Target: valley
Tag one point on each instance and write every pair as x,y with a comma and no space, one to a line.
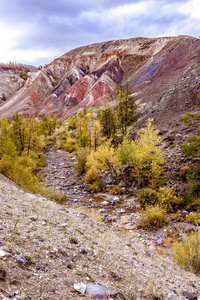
109,133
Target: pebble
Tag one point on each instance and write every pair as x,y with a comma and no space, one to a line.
20,259
33,218
80,287
159,242
2,253
103,211
171,297
99,291
82,250
191,296
105,203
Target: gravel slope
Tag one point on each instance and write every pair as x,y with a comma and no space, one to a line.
64,246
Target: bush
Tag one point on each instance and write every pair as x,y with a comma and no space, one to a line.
187,253
68,145
153,217
147,196
183,172
167,199
41,161
97,187
50,140
194,218
193,177
190,201
92,175
117,190
20,170
82,155
23,75
55,195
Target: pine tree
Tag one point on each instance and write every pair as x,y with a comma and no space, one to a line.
108,121
125,108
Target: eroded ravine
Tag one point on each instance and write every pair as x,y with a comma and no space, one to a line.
118,211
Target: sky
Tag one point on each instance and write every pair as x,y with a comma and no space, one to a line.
37,31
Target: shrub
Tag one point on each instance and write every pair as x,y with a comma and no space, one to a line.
168,200
60,144
55,195
23,75
50,140
190,201
63,136
147,196
187,253
82,155
193,177
41,161
194,218
117,190
68,146
153,217
183,172
92,175
97,187
20,170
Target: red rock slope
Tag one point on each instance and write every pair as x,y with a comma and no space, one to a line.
163,73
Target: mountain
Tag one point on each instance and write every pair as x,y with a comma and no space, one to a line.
163,74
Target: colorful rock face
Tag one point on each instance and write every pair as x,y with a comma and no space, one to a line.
162,73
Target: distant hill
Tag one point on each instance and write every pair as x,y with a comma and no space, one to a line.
12,79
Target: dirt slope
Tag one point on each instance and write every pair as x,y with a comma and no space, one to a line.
64,246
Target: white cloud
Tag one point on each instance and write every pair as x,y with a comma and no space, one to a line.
9,47
191,8
37,34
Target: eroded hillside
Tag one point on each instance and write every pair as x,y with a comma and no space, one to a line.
162,73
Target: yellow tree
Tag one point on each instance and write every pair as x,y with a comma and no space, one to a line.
105,158
147,157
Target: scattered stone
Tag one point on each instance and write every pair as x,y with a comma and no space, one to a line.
2,253
80,287
70,266
138,206
20,259
33,218
105,203
171,297
159,242
191,296
82,250
99,291
103,211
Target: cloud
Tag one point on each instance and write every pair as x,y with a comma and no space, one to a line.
37,31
